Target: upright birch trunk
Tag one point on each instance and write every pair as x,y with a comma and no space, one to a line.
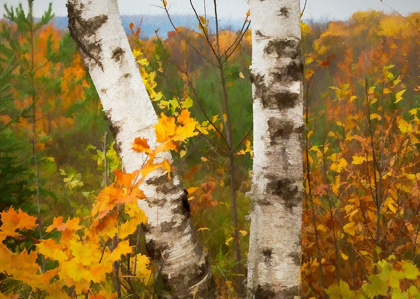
276,194
96,27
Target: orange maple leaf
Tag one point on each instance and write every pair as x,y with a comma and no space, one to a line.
13,221
140,145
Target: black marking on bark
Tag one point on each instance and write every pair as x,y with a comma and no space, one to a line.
290,73
163,185
285,189
145,227
82,31
279,129
202,270
267,292
127,75
258,33
167,226
284,12
267,253
162,179
186,203
264,292
114,127
281,100
263,202
256,79
117,53
181,208
151,250
299,130
289,293
259,83
295,256
284,48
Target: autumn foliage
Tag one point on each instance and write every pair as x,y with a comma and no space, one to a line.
362,171
362,200
87,248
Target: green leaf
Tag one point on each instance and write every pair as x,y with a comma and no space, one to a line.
342,290
376,287
398,294
413,291
187,103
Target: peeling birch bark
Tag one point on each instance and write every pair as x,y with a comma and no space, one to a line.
276,193
96,27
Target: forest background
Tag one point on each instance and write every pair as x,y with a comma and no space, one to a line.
58,159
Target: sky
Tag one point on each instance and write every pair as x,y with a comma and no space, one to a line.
316,9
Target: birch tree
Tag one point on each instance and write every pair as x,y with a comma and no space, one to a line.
96,27
276,193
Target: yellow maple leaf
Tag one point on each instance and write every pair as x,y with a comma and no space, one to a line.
136,53
187,126
52,250
141,265
338,167
107,226
165,128
404,126
136,213
357,160
122,248
137,217
143,61
127,228
85,253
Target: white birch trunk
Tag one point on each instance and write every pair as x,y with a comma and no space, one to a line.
276,193
96,27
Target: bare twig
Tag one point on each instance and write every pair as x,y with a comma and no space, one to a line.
186,39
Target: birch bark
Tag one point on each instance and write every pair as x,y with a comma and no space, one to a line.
276,193
96,27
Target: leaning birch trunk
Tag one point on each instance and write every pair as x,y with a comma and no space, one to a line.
276,193
96,27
